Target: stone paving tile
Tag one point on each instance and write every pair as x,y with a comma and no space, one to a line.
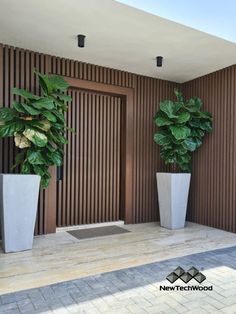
8,307
136,290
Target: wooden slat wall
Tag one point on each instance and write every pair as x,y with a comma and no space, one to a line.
90,189
213,184
147,94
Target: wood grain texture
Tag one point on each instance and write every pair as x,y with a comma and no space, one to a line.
96,141
144,160
212,194
125,166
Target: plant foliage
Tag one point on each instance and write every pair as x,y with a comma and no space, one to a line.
181,128
38,126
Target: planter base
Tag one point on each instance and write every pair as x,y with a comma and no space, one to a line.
18,206
173,191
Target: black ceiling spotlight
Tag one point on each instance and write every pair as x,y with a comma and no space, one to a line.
159,61
81,40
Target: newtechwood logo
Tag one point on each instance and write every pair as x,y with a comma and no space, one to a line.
186,276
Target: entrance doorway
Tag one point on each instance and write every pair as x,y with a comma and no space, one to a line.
97,181
90,187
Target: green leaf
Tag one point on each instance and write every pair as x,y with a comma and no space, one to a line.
60,104
37,138
206,126
162,138
26,168
183,159
7,114
19,158
178,95
169,108
18,107
183,117
43,82
62,139
193,104
195,123
51,148
51,83
49,116
189,144
44,103
180,150
175,141
45,180
59,126
198,102
24,93
180,132
58,83
205,115
43,125
185,167
168,155
39,170
198,142
56,158
59,115
62,97
197,133
35,157
10,128
30,110
21,141
161,119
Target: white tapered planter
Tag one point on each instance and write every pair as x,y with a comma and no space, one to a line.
18,205
173,189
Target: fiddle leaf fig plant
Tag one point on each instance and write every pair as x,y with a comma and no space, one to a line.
181,128
38,126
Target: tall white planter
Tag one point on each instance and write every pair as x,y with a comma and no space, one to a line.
173,189
18,205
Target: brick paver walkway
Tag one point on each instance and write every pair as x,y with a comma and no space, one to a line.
137,290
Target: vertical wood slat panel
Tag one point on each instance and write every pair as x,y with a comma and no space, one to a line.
212,194
98,144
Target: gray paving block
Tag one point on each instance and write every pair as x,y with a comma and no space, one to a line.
8,306
13,297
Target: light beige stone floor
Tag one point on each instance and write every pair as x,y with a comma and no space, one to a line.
60,257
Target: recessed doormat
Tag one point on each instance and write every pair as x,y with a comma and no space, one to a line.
96,232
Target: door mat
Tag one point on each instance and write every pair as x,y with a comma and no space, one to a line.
96,232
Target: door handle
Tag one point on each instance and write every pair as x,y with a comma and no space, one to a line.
59,173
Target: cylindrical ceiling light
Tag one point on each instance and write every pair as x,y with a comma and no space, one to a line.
159,61
81,40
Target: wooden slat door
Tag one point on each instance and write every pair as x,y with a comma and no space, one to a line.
90,189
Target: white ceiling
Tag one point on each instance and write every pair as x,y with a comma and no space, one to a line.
118,36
